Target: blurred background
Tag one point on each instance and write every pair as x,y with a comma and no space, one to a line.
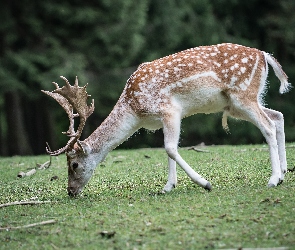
103,42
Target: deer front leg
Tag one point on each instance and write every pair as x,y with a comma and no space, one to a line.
171,129
172,176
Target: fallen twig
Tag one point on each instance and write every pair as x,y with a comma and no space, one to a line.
44,165
39,166
23,174
108,234
199,150
23,203
29,225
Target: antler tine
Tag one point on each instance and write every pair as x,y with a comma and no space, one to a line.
66,80
76,81
70,144
56,85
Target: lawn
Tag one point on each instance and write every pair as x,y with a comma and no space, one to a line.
122,208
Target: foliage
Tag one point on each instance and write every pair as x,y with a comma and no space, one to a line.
122,199
103,42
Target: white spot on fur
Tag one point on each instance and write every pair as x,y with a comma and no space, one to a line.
243,86
245,60
254,69
233,81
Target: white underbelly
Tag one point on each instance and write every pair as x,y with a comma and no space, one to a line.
203,101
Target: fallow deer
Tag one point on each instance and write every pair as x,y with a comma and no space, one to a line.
226,78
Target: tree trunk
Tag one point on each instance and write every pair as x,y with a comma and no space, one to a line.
3,146
43,124
17,139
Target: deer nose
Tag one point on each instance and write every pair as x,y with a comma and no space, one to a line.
71,191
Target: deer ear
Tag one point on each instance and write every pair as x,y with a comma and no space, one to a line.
84,147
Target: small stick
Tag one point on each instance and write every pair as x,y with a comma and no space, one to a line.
30,225
44,165
34,170
199,150
23,203
29,173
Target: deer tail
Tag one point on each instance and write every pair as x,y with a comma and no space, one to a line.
281,75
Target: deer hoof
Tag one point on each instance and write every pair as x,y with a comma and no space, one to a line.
271,185
208,186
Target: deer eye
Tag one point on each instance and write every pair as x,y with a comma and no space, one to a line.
75,165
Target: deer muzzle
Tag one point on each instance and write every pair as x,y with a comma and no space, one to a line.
73,191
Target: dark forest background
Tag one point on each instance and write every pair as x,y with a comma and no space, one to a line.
103,42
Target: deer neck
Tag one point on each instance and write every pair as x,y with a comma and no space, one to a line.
114,130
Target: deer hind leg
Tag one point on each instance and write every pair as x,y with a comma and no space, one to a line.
278,119
255,113
171,129
172,176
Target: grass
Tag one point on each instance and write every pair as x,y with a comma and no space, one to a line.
121,208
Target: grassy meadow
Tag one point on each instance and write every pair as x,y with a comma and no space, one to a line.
122,208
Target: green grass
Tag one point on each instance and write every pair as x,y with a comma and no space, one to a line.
122,198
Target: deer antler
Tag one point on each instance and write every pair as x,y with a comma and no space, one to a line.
72,98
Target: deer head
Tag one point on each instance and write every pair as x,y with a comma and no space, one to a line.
74,98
